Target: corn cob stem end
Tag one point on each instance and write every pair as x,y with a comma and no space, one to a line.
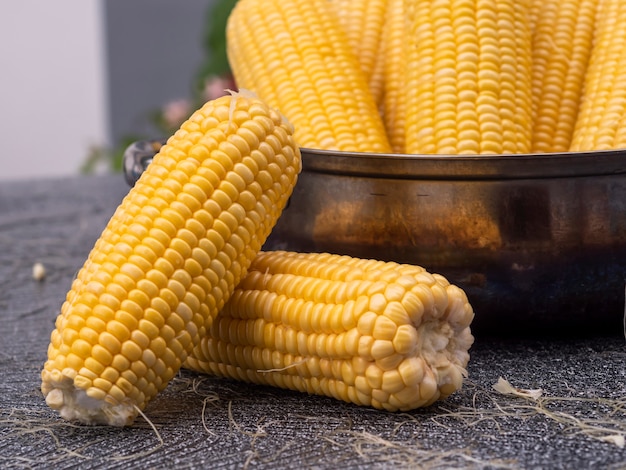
75,404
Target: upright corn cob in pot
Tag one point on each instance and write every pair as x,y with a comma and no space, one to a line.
368,332
364,21
468,74
168,260
562,36
295,55
601,123
393,101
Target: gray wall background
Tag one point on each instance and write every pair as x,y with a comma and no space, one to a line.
154,49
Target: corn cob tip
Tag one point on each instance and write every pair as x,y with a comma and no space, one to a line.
74,404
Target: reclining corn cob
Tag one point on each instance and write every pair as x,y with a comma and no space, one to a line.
169,259
601,123
561,46
368,332
295,55
468,77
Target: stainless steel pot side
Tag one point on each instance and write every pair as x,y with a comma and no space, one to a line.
538,242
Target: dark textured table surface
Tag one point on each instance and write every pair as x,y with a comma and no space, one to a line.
578,421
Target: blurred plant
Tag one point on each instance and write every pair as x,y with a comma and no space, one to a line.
214,43
212,79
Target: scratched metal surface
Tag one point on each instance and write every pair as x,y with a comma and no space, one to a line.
205,422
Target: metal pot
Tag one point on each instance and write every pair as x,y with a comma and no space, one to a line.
538,242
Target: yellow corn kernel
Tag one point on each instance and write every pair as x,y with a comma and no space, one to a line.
295,55
404,347
363,22
601,123
135,311
468,77
561,46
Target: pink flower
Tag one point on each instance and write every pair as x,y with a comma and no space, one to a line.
175,112
215,86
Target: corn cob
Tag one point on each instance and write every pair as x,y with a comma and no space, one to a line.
169,259
295,55
534,9
601,123
561,46
373,333
393,105
377,78
363,21
468,77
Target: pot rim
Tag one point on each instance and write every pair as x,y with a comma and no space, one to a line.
470,167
